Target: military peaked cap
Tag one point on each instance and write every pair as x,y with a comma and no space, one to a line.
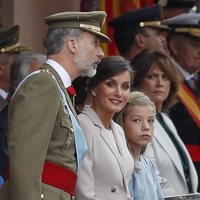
144,17
176,3
187,23
9,41
87,21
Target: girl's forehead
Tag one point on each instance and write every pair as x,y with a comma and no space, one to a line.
140,107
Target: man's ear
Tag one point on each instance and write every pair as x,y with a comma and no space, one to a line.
72,44
2,69
172,45
139,40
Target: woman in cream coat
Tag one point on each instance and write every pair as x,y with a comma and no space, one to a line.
162,149
107,167
156,75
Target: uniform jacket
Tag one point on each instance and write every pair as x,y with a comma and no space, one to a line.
104,174
38,128
168,161
3,140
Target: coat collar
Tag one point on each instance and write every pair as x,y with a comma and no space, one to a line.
116,133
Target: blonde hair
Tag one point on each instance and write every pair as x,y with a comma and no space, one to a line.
135,98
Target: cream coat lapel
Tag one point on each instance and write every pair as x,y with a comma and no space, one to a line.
162,138
95,119
118,143
193,174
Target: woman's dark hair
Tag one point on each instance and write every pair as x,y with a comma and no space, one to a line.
145,60
80,86
108,67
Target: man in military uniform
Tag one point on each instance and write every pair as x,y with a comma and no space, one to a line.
9,48
172,8
45,143
139,29
184,46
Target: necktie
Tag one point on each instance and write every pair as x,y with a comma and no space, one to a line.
72,93
192,83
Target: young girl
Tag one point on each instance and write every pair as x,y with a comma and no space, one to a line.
137,119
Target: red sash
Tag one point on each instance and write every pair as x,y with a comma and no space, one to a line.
57,176
191,103
194,151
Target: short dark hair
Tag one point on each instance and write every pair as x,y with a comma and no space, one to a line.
125,38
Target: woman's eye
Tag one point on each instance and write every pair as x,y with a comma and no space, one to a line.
110,84
126,86
166,77
151,76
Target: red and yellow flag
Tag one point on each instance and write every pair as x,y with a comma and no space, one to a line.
191,103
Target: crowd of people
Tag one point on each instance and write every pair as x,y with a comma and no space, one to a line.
76,124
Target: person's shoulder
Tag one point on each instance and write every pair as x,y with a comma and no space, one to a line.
43,76
86,112
169,122
86,117
38,82
90,116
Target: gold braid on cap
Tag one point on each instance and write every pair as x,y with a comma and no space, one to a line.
6,49
91,27
150,23
191,31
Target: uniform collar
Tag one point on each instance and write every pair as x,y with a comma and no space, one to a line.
184,73
61,72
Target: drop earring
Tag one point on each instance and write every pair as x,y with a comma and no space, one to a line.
93,93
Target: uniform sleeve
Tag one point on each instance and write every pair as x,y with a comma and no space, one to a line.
85,185
32,114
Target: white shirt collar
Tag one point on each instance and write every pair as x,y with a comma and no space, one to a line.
3,93
184,73
61,71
